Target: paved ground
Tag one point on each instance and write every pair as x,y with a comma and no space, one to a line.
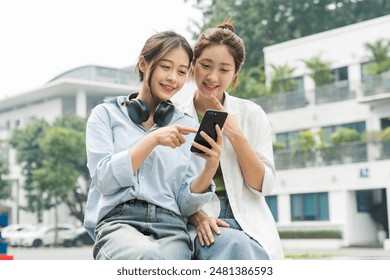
82,253
343,253
85,253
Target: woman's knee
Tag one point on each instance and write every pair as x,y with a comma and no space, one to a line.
231,244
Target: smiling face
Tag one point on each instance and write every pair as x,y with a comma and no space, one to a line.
213,72
168,75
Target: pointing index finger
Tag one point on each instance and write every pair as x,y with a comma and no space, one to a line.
217,103
186,129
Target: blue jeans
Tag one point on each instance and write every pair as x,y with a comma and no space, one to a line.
233,243
137,230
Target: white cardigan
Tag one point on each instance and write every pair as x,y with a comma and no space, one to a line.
248,205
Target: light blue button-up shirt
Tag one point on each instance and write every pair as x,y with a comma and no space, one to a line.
163,179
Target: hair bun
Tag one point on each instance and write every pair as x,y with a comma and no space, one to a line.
227,25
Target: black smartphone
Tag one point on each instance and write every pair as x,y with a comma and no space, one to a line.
210,119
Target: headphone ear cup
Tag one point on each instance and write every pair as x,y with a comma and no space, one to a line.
164,113
138,110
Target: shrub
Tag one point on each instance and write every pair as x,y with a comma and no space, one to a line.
277,146
321,234
320,70
344,135
385,135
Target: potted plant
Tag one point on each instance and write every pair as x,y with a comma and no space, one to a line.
305,147
379,59
321,73
328,151
378,63
319,70
282,80
277,146
344,136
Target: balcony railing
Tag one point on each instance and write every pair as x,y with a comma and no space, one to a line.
344,153
333,92
282,101
376,85
336,154
384,150
287,159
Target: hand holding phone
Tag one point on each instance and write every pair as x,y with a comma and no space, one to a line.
210,119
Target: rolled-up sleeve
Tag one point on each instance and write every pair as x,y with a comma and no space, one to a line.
264,149
189,202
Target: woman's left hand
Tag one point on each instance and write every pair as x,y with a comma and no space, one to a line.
231,126
206,227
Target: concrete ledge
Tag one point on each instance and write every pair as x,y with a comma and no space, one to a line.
312,243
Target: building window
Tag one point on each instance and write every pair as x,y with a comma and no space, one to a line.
272,202
364,201
299,85
385,123
340,74
287,139
328,130
309,207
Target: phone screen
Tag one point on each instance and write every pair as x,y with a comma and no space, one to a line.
210,119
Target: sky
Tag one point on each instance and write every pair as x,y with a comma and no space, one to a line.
40,39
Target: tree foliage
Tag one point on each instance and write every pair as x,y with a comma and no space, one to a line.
57,176
29,156
53,159
320,70
78,196
5,184
282,79
262,23
379,60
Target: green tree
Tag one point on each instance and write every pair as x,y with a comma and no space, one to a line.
35,146
77,197
5,184
30,157
251,83
63,149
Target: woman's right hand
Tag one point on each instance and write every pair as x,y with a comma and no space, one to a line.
172,136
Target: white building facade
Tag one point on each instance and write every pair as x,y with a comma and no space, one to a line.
332,191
